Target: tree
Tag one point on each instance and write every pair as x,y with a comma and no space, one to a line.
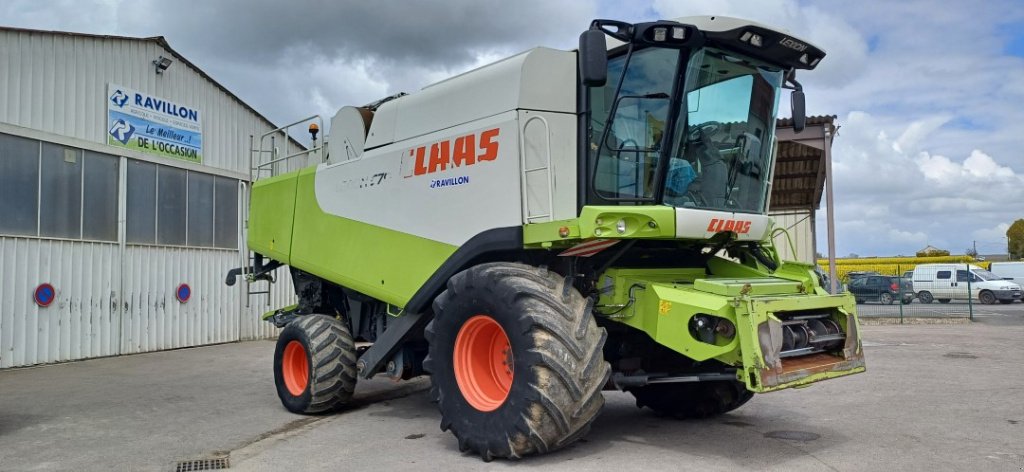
971,252
1015,237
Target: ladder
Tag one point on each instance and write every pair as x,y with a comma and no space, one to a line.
266,159
539,177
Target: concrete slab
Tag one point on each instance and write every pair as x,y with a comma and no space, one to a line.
147,411
944,397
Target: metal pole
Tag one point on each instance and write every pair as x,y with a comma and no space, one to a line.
899,284
970,296
831,210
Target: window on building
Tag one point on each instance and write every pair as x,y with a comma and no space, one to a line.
200,210
225,225
60,196
51,190
171,200
141,208
99,192
19,185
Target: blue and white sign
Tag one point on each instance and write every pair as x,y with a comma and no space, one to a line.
153,125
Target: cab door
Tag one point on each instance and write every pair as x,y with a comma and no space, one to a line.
962,284
875,287
945,284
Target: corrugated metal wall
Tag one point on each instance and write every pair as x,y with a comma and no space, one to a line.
58,83
93,316
155,319
115,298
83,320
801,229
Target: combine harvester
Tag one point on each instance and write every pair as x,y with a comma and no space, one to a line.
554,224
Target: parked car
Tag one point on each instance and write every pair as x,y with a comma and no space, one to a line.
884,289
945,282
856,274
1012,271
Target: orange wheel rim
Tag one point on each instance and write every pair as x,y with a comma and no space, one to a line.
483,363
295,368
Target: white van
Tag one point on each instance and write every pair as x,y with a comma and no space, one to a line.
1012,271
945,282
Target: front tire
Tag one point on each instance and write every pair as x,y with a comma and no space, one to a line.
516,361
692,400
925,297
315,364
987,297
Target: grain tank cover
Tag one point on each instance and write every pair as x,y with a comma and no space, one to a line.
348,133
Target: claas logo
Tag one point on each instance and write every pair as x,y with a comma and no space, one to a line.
720,225
459,152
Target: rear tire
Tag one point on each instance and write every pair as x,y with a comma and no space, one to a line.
885,298
692,400
925,297
552,393
315,364
987,297
945,300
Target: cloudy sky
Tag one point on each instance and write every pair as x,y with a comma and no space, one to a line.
929,94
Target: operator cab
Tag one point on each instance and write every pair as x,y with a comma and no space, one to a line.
682,113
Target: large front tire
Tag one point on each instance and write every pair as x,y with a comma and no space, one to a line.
515,360
315,364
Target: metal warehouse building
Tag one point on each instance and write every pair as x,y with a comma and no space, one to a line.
123,169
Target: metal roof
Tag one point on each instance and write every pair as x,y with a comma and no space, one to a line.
800,163
162,42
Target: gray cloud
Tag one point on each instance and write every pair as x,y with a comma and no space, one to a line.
410,33
293,59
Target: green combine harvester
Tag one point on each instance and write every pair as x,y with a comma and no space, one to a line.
549,226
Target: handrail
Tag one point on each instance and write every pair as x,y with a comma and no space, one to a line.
256,153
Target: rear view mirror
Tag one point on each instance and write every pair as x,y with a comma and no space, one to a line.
799,110
593,58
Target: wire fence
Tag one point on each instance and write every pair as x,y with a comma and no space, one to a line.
949,290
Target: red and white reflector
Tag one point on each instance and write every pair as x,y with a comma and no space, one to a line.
589,248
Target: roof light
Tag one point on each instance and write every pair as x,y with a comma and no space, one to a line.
805,59
660,33
746,36
678,32
815,61
756,40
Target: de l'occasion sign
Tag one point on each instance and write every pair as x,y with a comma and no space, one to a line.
153,125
